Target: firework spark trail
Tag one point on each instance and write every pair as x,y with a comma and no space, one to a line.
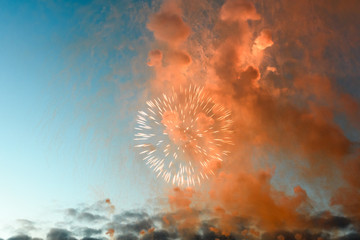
181,136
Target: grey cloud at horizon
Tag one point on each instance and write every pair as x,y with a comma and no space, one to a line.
130,224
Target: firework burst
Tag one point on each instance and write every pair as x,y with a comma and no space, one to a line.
184,136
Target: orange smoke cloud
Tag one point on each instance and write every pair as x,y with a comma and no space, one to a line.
168,25
111,233
181,199
184,217
264,40
171,59
281,121
155,58
238,10
204,122
253,197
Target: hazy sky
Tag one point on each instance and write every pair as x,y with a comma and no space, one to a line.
47,162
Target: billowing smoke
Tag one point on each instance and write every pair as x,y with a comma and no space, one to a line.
278,66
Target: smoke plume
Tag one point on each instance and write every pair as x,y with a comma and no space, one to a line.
276,65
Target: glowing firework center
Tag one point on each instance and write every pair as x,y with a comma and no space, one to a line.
183,137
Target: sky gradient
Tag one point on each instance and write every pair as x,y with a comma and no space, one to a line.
44,139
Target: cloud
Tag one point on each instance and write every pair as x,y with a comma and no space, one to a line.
327,221
286,71
95,213
264,40
131,223
207,224
238,10
59,234
350,236
290,144
168,25
155,58
161,235
128,236
86,231
21,237
25,226
85,222
89,217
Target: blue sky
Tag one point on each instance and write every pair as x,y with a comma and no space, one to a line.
62,140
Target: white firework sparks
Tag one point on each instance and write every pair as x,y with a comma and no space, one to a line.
182,137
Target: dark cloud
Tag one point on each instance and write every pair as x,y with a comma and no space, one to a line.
331,222
131,222
86,220
86,231
160,235
131,215
138,224
350,236
85,215
90,238
22,237
89,217
128,236
59,234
